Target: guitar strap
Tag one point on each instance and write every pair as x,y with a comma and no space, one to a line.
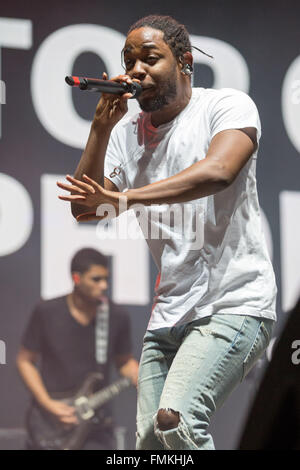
101,331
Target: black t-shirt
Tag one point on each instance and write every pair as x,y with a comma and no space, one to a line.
67,348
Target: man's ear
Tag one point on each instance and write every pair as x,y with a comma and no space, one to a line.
76,278
180,62
186,63
188,58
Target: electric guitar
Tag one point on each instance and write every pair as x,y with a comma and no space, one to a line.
46,432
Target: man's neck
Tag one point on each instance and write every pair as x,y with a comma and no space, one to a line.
84,312
170,111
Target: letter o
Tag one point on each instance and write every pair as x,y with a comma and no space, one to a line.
290,102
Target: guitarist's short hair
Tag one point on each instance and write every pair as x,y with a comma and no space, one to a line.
85,258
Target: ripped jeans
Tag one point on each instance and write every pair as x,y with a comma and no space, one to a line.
191,369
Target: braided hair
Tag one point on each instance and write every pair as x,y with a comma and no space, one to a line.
175,34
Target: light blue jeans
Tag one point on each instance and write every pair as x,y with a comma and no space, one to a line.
191,369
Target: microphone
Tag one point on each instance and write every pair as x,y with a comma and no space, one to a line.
104,86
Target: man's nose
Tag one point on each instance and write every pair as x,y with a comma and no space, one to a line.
138,70
104,284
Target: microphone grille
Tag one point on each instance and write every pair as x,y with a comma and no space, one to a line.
69,80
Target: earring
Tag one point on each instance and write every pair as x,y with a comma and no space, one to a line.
187,69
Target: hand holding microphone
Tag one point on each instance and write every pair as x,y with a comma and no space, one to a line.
85,190
112,105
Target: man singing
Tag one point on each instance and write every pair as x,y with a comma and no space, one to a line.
194,149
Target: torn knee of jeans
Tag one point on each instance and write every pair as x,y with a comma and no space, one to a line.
182,431
166,419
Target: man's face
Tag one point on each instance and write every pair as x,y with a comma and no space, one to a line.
148,58
93,283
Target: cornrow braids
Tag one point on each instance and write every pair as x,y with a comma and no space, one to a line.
175,34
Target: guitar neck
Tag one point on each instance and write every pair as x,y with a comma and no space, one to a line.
99,398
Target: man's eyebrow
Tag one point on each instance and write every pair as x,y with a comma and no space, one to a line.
148,45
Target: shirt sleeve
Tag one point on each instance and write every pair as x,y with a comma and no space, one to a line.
123,343
114,162
33,338
233,109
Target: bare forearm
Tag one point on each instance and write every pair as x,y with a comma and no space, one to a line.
228,153
130,370
92,159
32,378
199,180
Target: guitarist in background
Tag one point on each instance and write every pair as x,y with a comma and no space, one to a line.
63,343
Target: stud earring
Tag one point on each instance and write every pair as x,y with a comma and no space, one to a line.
187,69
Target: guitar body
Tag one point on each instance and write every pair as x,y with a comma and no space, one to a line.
48,433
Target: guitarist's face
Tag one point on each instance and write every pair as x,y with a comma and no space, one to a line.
93,284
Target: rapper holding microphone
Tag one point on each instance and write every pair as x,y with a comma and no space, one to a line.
194,150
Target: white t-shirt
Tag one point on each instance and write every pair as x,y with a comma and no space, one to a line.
215,260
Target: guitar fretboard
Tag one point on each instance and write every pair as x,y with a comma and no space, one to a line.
99,398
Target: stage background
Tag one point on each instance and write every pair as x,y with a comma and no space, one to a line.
44,125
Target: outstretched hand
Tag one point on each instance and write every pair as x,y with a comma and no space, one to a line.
89,194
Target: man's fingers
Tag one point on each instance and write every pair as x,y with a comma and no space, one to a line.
122,78
87,216
72,198
71,187
91,181
81,184
126,96
66,409
69,420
